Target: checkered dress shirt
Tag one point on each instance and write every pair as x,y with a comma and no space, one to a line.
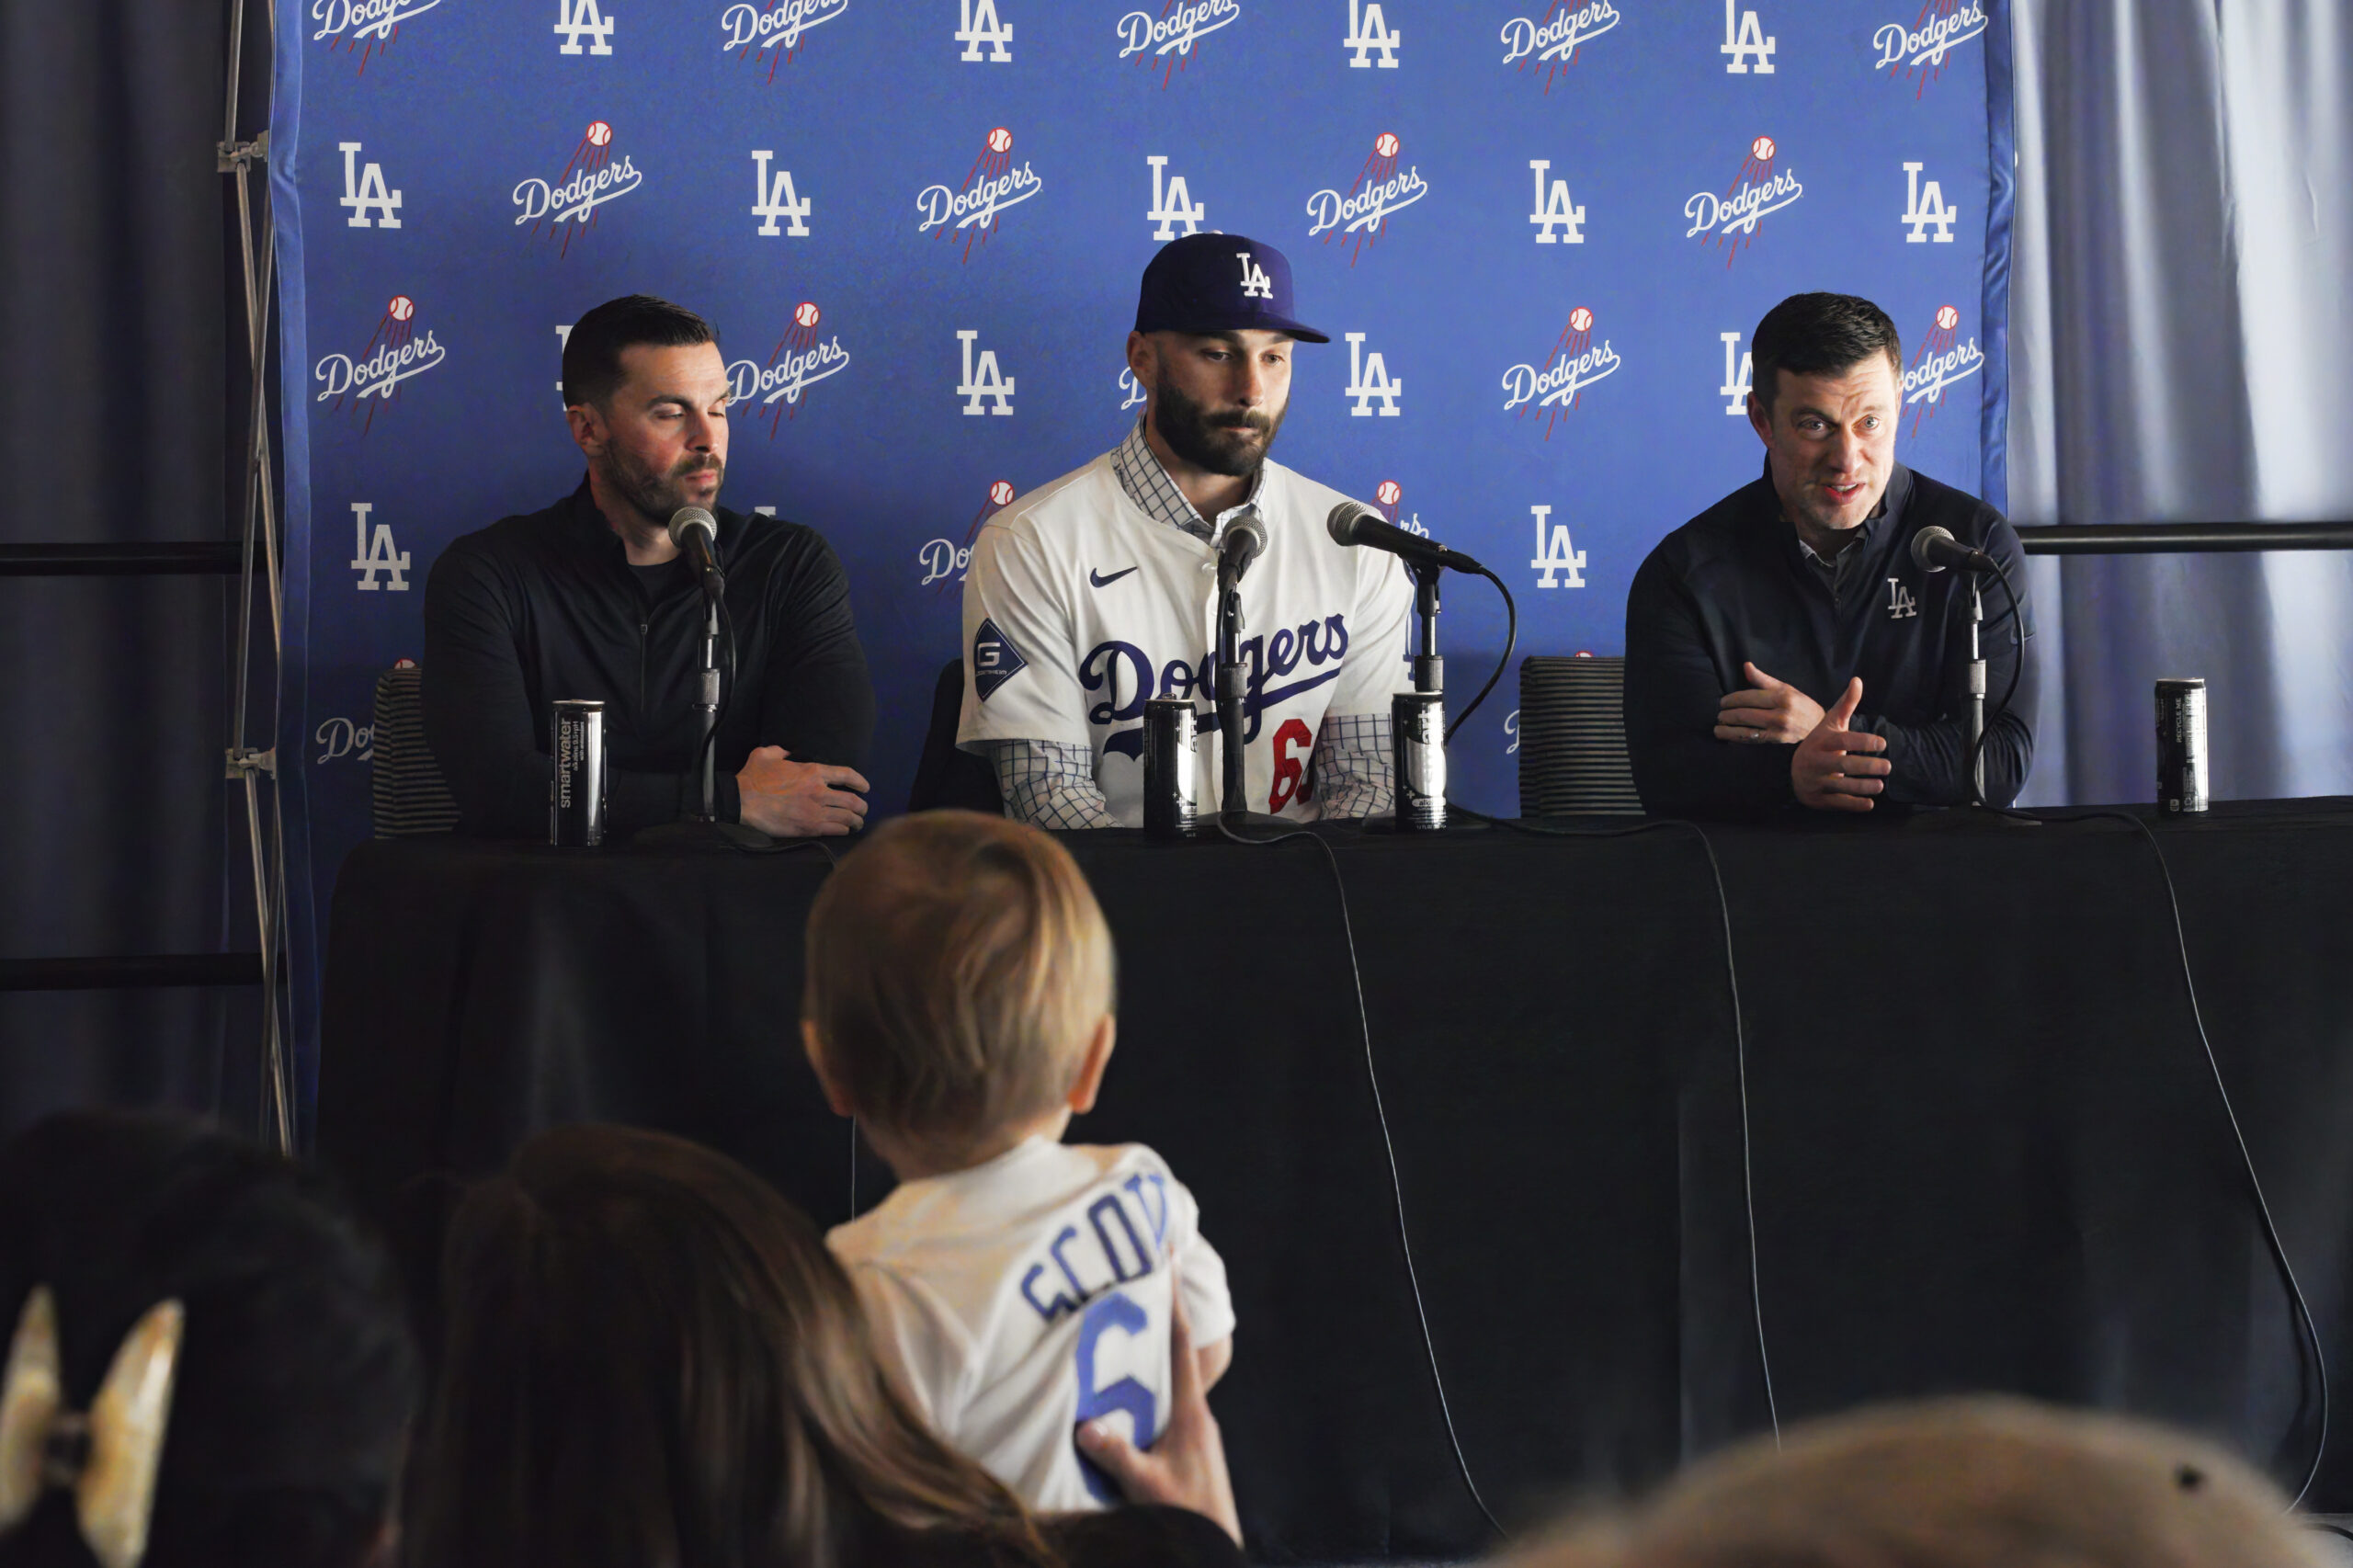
1051,783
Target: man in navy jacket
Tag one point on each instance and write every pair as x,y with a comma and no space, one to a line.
1783,647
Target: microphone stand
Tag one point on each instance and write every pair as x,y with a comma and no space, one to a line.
1429,670
702,828
1234,794
1976,690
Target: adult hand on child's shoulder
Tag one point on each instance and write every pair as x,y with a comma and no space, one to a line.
1187,1466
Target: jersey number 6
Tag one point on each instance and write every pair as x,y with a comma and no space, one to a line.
1113,1313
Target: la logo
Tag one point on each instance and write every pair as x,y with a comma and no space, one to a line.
1254,282
983,380
1555,553
777,198
1368,381
363,191
574,18
1901,605
1172,204
1370,33
1745,46
369,557
563,341
1737,375
1554,210
1924,208
980,27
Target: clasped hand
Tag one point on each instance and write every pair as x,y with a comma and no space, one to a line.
1834,768
800,800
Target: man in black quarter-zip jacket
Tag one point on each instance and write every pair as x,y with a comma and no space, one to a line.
1783,647
589,599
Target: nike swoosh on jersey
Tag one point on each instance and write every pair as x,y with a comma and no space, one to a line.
1100,581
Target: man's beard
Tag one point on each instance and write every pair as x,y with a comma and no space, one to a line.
658,497
1210,442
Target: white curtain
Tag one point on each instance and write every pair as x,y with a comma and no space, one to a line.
2181,297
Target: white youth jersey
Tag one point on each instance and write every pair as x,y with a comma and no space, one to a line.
1022,1297
1079,608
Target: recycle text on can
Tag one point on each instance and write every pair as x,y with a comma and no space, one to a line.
576,794
1417,727
2181,746
1171,730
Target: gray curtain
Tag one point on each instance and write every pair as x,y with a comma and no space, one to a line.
114,386
2179,352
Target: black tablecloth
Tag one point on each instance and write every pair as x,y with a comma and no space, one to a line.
1987,1149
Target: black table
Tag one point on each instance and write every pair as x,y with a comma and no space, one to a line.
1987,1149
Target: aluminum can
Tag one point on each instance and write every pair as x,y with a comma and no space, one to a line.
576,794
2181,746
1171,739
1417,729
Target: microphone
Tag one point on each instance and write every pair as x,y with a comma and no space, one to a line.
1245,539
1354,523
1934,549
695,533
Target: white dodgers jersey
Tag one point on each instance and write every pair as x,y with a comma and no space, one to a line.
1025,1296
1079,608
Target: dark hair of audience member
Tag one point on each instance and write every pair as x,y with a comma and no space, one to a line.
296,1376
653,1361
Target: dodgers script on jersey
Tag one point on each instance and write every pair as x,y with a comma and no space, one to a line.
1026,1296
1079,609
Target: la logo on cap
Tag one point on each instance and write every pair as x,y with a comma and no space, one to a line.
1254,282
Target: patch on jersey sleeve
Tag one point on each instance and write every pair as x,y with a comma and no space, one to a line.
994,659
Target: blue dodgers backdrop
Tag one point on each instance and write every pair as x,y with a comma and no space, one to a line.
1539,239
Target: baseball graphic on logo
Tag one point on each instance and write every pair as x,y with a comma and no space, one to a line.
805,314
1761,149
1580,320
1000,140
1386,144
1947,317
1001,493
599,133
1389,493
400,308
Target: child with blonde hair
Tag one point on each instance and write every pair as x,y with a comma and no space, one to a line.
960,1005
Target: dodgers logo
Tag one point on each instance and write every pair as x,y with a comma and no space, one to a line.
364,191
1554,209
1923,49
773,32
1940,361
1750,47
1759,190
1555,552
972,209
1318,645
576,19
1362,210
1370,381
1738,374
340,738
373,554
995,660
1131,390
1554,42
774,199
1169,36
363,25
944,561
589,179
1558,388
1369,34
392,354
982,29
1172,203
1390,497
1925,208
798,362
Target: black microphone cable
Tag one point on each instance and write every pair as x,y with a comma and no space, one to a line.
1511,641
1389,1152
1740,1049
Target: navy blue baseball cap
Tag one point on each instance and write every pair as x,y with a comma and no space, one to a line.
1219,283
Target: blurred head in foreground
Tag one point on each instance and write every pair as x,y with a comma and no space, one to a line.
1954,1484
653,1362
174,1297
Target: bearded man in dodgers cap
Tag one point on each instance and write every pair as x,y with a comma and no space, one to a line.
1097,592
